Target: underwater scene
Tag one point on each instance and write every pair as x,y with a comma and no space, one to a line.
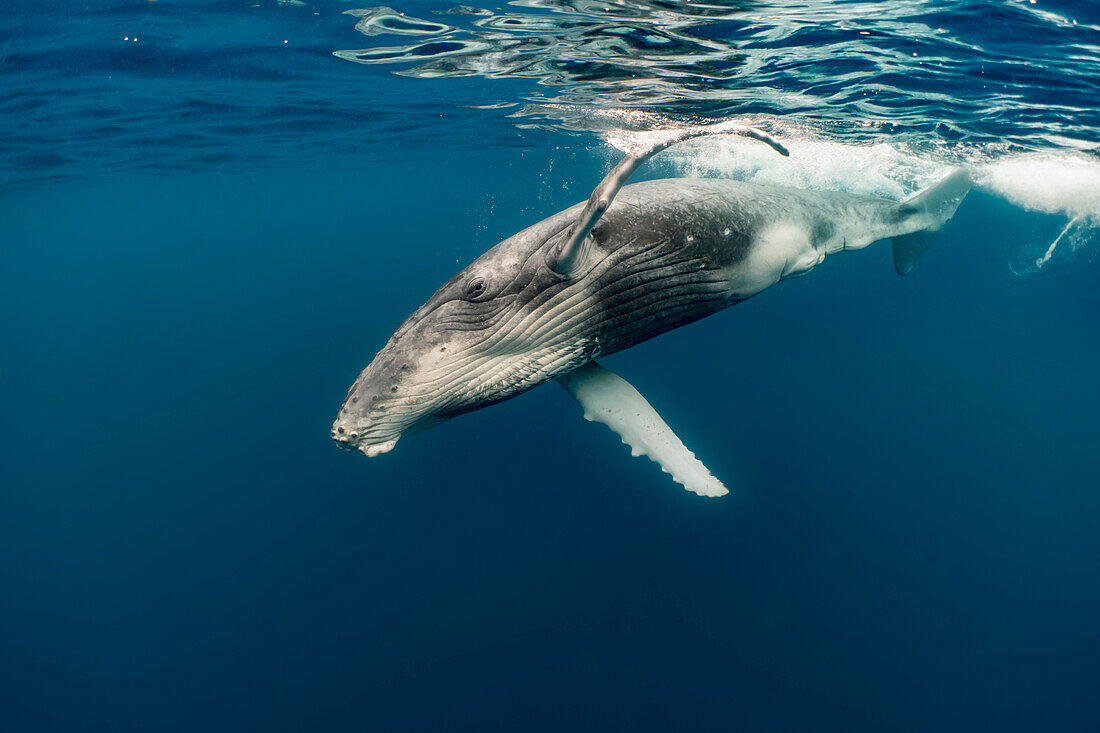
284,443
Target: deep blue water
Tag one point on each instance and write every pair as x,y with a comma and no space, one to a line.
206,233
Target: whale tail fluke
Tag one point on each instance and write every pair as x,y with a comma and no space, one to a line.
930,210
908,247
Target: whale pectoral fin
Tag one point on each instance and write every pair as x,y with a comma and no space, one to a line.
608,398
571,256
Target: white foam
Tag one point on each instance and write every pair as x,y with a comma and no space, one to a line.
1053,183
1065,182
873,170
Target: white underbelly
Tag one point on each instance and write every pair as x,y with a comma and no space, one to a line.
778,252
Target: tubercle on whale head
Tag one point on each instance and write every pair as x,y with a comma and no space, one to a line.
382,405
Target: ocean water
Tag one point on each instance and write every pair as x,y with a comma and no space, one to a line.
213,214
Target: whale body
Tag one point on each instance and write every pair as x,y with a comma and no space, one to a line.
631,263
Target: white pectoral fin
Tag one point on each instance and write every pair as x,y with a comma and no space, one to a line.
608,398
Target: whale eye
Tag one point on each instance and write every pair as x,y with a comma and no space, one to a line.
474,288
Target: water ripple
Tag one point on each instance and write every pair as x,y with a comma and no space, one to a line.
1006,73
124,84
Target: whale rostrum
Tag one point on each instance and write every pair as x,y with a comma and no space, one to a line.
630,263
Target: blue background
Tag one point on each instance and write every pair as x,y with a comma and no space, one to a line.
911,542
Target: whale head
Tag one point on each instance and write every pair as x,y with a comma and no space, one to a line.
488,334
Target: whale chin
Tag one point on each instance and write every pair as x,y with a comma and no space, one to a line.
375,449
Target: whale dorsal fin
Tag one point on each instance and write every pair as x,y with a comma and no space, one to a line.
570,257
608,398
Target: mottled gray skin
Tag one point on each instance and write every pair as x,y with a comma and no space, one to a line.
666,253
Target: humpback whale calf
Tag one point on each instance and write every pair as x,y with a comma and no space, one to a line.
629,264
